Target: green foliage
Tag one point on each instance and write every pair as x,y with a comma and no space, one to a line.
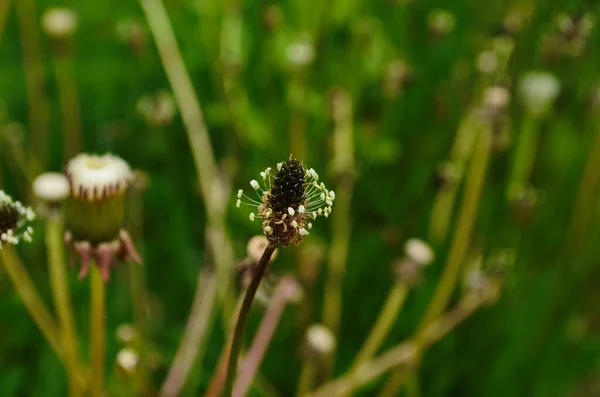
539,340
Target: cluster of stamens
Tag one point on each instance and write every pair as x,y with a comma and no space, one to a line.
288,201
13,217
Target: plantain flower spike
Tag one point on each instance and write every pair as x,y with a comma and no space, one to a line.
95,212
287,202
14,217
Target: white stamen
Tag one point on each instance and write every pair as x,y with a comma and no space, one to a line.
264,175
304,232
254,184
252,216
301,209
332,194
310,225
240,193
279,165
291,211
268,229
294,224
238,203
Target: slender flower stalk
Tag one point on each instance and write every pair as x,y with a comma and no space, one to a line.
407,352
39,114
462,236
97,330
212,188
4,10
194,335
343,168
418,255
62,301
60,24
238,332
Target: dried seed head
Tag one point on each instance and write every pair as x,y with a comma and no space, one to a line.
51,187
95,212
13,218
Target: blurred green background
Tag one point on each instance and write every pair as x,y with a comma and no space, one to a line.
266,73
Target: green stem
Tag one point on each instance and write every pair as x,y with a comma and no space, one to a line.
238,332
307,376
462,236
524,156
383,325
39,115
97,329
464,228
407,352
31,299
462,149
4,9
69,105
62,303
343,169
212,189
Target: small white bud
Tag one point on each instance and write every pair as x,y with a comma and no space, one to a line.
51,187
419,251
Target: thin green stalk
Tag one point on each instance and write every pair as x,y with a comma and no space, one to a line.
39,115
97,330
238,333
69,105
190,347
212,189
462,149
307,378
587,195
343,168
383,325
31,299
62,303
525,154
4,10
464,228
462,237
406,352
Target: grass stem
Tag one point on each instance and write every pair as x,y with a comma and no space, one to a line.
97,330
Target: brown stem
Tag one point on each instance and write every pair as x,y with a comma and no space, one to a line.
238,333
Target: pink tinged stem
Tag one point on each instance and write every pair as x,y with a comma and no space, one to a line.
286,290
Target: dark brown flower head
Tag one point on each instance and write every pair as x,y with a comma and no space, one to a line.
288,202
13,216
